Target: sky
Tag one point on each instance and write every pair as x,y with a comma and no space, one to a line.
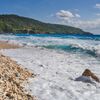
84,14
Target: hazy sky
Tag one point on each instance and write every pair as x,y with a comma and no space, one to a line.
84,14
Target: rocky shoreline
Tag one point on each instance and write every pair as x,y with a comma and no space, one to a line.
12,75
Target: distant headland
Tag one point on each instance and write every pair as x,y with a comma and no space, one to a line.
10,23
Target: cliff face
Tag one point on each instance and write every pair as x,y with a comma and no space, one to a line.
19,24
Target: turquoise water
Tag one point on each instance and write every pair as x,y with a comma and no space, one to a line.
84,44
88,44
92,37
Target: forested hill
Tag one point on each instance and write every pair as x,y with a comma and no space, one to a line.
18,24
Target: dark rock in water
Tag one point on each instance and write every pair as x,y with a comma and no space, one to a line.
41,65
88,73
88,76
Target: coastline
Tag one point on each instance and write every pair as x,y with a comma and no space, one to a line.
56,73
12,76
7,45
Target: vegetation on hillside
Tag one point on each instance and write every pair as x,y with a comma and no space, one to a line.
18,24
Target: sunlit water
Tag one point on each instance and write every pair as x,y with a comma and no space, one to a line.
84,44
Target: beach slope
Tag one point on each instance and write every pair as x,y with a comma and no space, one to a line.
12,75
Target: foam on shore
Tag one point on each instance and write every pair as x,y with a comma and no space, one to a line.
56,73
57,69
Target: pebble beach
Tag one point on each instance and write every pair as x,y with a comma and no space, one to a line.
12,75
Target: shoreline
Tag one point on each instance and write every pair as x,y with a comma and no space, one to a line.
56,73
12,76
7,45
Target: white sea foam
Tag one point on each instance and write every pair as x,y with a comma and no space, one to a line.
89,45
56,73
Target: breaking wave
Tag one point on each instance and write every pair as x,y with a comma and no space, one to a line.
70,43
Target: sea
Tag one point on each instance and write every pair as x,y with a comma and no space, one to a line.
88,45
58,60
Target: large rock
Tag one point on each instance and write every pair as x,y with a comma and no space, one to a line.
88,73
